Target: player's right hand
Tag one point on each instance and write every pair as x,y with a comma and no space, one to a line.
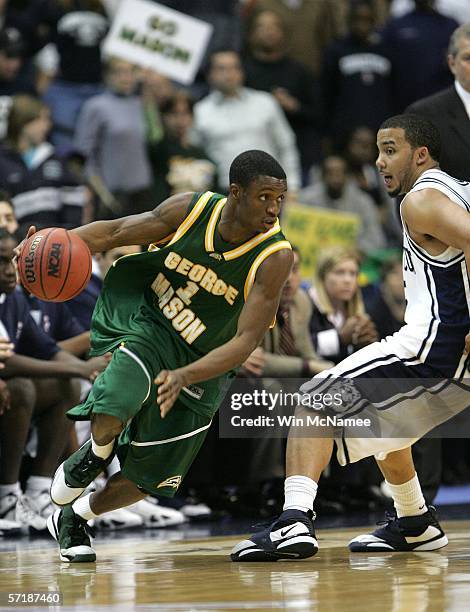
19,248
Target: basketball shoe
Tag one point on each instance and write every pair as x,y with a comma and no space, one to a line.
291,536
404,534
74,475
154,515
73,534
18,508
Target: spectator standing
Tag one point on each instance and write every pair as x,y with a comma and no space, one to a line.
267,67
13,80
337,191
233,118
111,135
311,24
356,76
177,164
44,192
79,27
417,44
449,109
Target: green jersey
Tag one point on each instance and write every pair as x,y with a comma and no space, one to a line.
187,295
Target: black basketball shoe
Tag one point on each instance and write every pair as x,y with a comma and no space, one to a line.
291,536
405,534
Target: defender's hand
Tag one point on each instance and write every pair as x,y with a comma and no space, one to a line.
170,383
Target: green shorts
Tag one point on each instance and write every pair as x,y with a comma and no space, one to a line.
154,453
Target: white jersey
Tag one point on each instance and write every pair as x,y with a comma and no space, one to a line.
437,289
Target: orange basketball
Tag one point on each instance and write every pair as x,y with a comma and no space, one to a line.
54,265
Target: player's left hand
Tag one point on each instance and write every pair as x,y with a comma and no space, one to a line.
170,383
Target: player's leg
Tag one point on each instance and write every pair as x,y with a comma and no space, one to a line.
415,526
69,525
116,397
292,535
53,398
155,455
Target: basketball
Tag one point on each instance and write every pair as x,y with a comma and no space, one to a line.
54,265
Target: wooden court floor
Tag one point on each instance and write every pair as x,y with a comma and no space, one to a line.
144,573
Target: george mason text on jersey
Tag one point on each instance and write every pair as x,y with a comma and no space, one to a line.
174,303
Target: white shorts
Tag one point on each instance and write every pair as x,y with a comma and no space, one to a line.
402,395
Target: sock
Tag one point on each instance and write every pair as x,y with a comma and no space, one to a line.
102,451
5,489
37,484
299,493
82,508
408,498
113,467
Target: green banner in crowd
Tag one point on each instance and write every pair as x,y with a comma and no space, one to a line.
313,229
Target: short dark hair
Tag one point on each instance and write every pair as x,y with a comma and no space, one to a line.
419,132
252,164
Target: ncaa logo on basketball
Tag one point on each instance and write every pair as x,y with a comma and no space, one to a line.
173,481
53,262
29,272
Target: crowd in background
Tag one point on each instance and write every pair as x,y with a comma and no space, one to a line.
83,137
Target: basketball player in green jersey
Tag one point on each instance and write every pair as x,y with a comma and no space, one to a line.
179,319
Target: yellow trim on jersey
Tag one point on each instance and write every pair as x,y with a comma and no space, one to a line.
250,278
193,215
210,229
154,246
273,248
247,246
243,248
124,257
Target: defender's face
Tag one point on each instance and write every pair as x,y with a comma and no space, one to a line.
396,161
7,266
261,202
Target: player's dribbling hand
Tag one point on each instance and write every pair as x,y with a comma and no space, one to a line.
170,383
19,248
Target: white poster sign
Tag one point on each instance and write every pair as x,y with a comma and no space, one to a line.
157,37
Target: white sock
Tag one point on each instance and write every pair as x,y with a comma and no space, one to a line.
82,507
408,498
37,484
5,489
299,493
102,451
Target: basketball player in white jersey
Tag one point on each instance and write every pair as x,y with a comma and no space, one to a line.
431,345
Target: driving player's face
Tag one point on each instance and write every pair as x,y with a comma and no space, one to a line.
261,202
